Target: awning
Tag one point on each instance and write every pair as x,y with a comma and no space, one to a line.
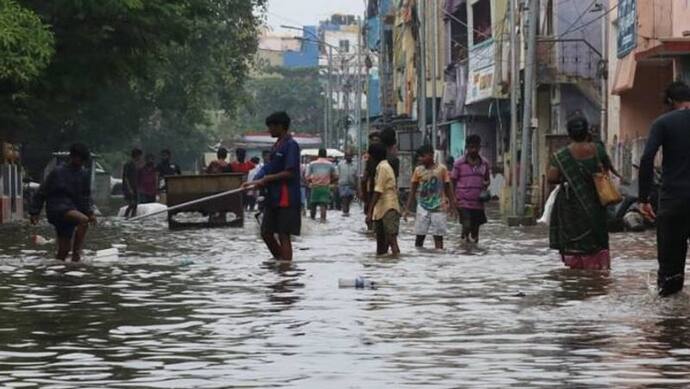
669,47
625,75
331,153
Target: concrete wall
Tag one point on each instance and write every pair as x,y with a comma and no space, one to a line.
680,15
641,105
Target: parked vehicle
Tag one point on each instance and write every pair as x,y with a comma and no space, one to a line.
626,215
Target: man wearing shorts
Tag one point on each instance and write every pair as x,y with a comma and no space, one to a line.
347,181
384,209
280,176
431,187
130,182
321,175
66,193
471,175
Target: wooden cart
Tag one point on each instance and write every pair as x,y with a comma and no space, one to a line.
182,189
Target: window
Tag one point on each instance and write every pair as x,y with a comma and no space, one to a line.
481,17
458,34
344,46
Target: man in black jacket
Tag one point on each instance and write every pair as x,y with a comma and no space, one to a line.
671,132
66,194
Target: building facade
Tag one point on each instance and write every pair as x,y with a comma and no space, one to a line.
649,47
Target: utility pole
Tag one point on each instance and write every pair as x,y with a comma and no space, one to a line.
347,94
421,94
338,103
514,92
434,75
383,70
530,72
329,92
358,87
604,69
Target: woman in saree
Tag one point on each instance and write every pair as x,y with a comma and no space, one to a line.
578,220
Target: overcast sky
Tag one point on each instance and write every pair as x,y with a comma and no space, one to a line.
309,12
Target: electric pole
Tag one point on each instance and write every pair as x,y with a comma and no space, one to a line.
434,75
514,93
421,94
329,92
358,88
604,70
530,72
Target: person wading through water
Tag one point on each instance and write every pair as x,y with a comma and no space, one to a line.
384,208
671,132
281,178
66,193
578,220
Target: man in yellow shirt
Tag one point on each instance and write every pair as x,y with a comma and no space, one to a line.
384,208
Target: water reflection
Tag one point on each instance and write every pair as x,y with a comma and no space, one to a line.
205,308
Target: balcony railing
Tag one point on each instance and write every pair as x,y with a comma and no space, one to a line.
563,60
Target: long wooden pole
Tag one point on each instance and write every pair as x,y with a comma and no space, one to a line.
193,202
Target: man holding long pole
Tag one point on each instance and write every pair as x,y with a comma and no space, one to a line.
281,178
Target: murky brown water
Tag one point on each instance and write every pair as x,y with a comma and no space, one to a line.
204,309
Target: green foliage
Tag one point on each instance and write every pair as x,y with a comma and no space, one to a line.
26,44
134,73
297,91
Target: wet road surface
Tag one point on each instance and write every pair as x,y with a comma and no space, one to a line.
208,309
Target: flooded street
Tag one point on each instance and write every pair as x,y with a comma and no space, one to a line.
207,309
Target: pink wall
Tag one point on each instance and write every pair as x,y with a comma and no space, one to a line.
642,104
681,17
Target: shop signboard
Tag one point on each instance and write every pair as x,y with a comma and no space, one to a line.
627,27
481,72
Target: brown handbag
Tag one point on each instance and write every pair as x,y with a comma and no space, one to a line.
606,189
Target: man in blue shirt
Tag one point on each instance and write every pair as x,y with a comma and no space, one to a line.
66,194
280,176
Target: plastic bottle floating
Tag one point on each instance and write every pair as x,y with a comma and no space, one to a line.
357,283
41,241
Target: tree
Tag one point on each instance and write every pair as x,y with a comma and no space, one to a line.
297,91
26,44
134,72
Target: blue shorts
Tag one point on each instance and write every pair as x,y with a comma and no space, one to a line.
346,191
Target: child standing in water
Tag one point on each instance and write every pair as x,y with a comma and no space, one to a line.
384,208
471,175
430,182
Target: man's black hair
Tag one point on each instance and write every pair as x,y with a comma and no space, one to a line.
377,152
374,134
80,150
280,119
474,140
241,154
578,128
425,149
323,153
166,151
677,92
255,160
136,152
222,153
388,137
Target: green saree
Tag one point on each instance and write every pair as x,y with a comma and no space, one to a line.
578,222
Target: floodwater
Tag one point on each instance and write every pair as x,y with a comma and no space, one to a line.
207,309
